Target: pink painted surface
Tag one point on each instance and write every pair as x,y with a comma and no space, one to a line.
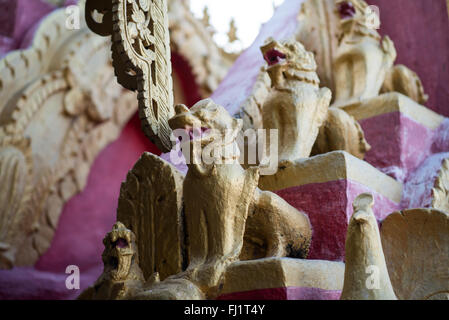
329,207
19,18
419,185
32,284
289,293
441,139
239,82
85,220
419,29
398,143
87,217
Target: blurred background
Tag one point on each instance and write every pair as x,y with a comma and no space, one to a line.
248,16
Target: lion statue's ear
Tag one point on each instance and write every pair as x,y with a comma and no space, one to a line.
181,108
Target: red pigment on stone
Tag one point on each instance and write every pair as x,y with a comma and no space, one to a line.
346,10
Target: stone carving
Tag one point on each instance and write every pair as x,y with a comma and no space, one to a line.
363,58
141,55
416,247
151,188
194,39
403,80
181,239
299,109
122,277
61,96
319,29
224,217
188,36
296,106
60,106
413,244
341,131
15,190
364,252
323,24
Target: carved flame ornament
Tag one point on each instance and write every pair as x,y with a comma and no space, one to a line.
141,55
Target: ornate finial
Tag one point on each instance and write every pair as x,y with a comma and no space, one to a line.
364,253
232,33
141,57
206,17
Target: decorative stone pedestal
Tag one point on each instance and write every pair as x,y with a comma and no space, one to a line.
324,187
283,279
400,131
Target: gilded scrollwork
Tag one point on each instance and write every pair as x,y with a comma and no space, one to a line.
141,57
60,106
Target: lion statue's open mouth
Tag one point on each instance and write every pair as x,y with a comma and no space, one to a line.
274,56
205,122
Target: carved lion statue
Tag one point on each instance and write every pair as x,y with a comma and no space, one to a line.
122,277
299,108
190,229
363,58
233,212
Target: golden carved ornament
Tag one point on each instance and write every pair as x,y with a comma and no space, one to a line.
141,55
287,97
122,277
403,80
416,247
60,106
406,260
364,253
323,32
191,229
362,58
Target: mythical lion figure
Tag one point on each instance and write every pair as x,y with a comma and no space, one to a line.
216,213
299,108
122,276
363,58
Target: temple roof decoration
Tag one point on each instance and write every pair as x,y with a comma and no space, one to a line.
61,105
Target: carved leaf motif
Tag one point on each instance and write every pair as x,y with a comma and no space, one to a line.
150,205
15,176
416,247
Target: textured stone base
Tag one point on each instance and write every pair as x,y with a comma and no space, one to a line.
324,187
283,279
400,131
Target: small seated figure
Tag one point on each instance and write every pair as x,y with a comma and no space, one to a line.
121,277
